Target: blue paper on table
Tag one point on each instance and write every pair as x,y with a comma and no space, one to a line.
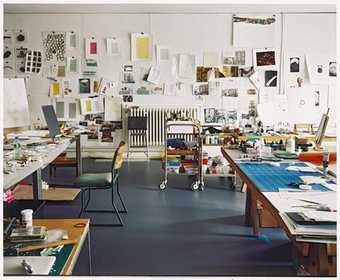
269,178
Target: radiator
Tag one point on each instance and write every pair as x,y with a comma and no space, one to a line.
156,122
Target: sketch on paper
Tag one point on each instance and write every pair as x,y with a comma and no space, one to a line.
270,78
294,63
54,46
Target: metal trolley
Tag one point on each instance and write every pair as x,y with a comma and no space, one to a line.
195,151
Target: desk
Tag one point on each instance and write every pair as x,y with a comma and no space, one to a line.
77,233
317,252
35,168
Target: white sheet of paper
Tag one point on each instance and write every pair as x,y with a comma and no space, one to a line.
211,58
252,34
187,65
71,40
154,75
162,54
112,47
113,109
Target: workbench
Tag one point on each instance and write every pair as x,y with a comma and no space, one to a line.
315,255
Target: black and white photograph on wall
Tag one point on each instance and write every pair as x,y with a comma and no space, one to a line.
319,69
264,58
332,69
251,91
316,98
246,71
200,89
209,115
127,98
270,78
294,64
229,92
231,116
84,86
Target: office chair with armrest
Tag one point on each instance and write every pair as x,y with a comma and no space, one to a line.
103,181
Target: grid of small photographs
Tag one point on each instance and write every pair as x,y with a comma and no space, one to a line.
33,62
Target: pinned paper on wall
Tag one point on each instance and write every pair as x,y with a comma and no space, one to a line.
154,75
141,46
321,68
162,54
255,79
112,46
71,40
294,64
72,64
113,109
211,58
55,89
90,48
254,30
187,65
93,105
264,58
61,71
84,86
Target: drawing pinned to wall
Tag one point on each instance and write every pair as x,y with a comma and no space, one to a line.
157,89
186,66
113,109
91,48
162,54
270,78
95,86
211,58
55,89
154,75
246,71
72,65
125,90
54,46
143,90
20,59
199,89
90,67
113,47
141,46
9,68
229,92
8,37
71,40
105,87
234,58
61,71
93,105
254,30
319,69
33,62
203,74
332,69
299,81
84,86
294,64
264,58
251,91
231,117
128,74
67,90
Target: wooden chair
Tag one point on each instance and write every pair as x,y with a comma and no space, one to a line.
62,161
103,181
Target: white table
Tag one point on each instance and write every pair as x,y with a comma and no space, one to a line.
34,168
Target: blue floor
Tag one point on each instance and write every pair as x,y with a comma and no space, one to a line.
176,231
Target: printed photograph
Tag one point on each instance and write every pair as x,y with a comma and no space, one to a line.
230,92
294,64
332,69
270,78
265,58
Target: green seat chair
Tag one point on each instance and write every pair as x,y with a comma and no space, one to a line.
89,182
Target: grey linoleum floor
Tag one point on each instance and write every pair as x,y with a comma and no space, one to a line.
173,232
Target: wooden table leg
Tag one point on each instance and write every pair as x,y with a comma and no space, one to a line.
318,260
248,221
255,216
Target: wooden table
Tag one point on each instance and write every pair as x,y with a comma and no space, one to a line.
35,168
77,229
317,253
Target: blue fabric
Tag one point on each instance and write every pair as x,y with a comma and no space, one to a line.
269,178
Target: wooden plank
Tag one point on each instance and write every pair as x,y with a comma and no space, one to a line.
77,229
25,192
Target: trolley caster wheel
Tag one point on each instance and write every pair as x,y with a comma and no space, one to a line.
162,186
201,185
195,186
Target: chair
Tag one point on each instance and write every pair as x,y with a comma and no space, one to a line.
138,134
62,161
103,181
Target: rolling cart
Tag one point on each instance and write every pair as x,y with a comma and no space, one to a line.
179,165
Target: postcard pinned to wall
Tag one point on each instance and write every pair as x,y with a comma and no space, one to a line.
186,66
162,54
264,58
141,46
93,105
254,30
91,48
113,46
72,65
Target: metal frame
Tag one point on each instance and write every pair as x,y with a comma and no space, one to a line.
140,133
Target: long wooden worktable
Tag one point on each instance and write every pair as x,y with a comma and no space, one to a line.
314,256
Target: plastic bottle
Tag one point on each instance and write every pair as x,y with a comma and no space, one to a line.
290,145
17,148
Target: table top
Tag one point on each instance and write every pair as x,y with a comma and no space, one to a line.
77,229
45,157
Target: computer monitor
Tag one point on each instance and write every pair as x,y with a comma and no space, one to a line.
322,129
51,120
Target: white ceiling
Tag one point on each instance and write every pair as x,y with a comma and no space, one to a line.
167,8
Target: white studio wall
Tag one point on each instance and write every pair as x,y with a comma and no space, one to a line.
193,34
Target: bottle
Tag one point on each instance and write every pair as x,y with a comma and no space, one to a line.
17,148
290,145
